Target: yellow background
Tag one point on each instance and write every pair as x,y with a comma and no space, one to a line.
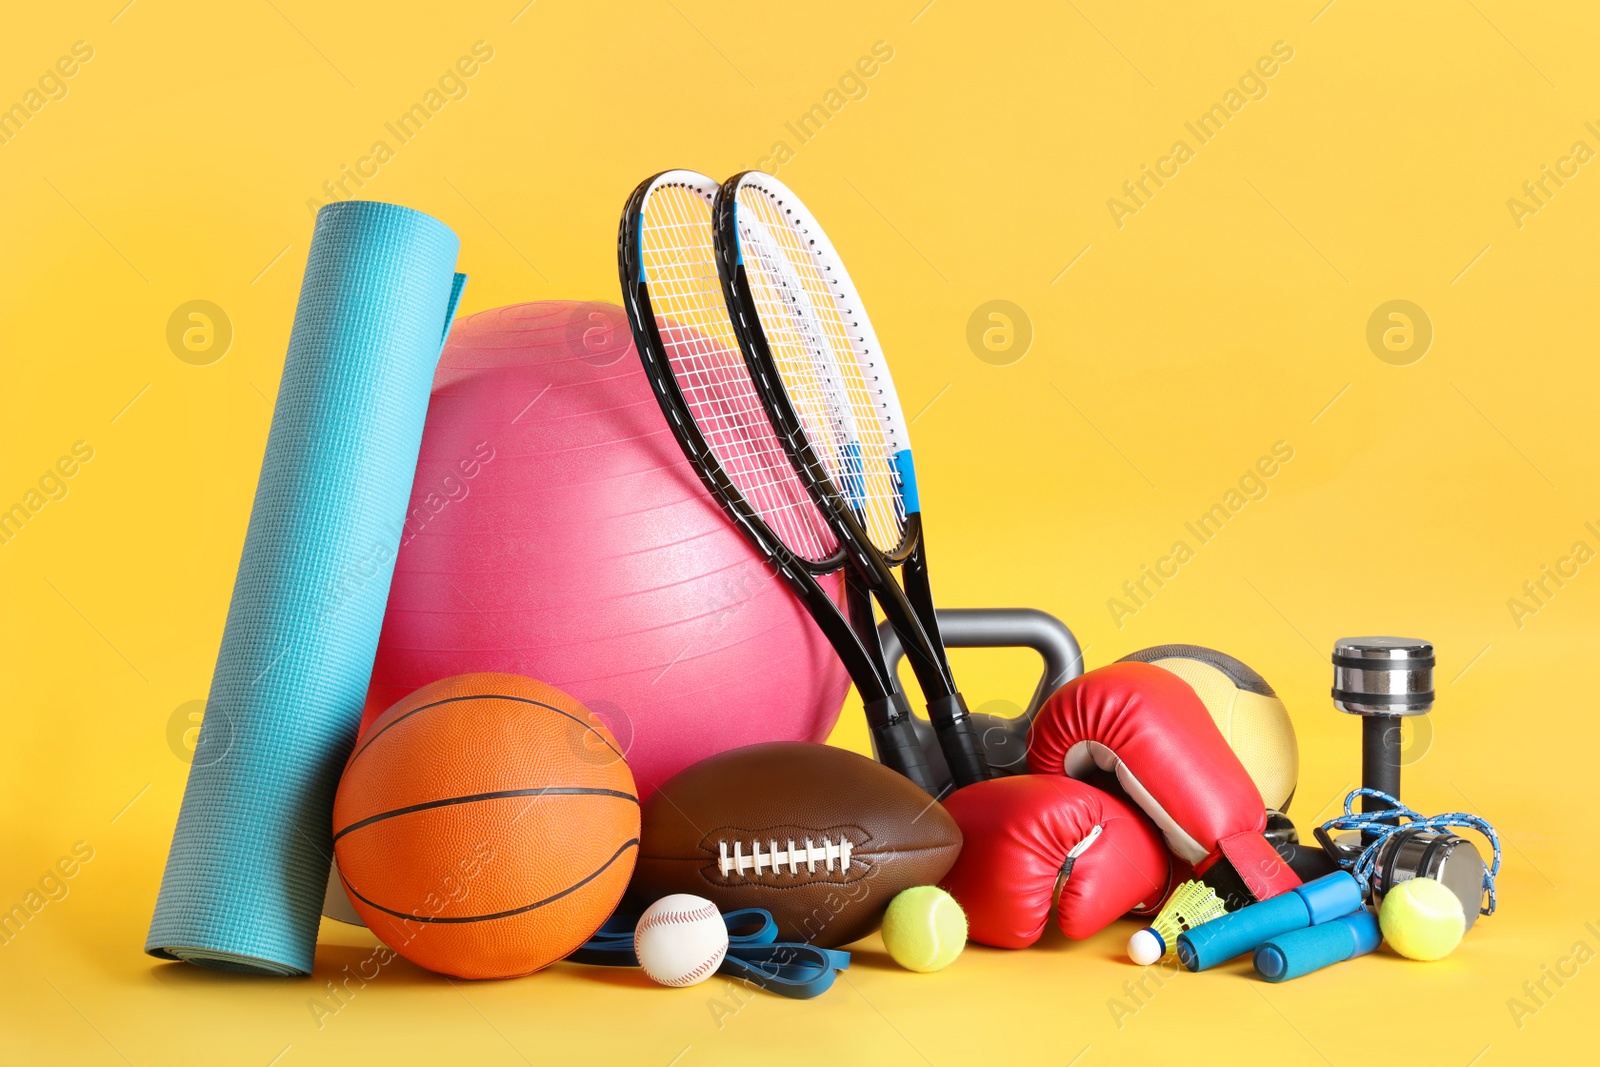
1230,312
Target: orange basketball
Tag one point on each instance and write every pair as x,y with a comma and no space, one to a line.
486,825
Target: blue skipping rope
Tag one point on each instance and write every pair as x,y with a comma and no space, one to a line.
1385,823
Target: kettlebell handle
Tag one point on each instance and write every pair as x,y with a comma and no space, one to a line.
1004,738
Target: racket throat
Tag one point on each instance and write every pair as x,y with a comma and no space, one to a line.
895,741
945,712
888,712
959,740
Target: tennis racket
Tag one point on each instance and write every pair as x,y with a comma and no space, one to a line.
681,329
821,375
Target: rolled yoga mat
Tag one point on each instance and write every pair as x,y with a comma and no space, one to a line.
249,863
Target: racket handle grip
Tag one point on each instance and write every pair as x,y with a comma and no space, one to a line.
959,740
894,737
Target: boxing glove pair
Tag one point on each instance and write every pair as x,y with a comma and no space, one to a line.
1037,843
1047,840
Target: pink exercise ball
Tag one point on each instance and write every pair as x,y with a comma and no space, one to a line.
556,531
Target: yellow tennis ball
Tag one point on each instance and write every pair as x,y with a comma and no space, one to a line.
1422,919
924,929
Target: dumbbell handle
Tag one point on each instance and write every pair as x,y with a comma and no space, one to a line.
1380,758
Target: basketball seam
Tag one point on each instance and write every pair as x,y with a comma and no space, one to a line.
597,872
482,696
499,794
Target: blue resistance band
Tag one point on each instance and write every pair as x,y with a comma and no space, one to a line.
754,955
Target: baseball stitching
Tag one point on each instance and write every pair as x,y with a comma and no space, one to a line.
678,918
695,975
663,918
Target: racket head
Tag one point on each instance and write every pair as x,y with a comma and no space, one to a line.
675,304
804,326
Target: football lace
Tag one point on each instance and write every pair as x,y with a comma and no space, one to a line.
775,858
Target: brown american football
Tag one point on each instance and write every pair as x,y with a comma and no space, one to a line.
820,837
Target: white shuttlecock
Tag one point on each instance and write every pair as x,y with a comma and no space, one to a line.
1192,903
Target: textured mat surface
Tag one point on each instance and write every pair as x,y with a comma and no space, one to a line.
244,881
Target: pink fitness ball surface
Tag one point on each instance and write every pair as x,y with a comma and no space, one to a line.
556,531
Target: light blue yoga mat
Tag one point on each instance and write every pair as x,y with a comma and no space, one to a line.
249,863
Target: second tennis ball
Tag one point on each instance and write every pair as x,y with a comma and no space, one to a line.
924,929
1422,919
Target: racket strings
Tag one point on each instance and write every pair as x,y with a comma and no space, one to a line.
816,351
680,275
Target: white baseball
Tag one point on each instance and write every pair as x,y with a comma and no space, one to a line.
680,940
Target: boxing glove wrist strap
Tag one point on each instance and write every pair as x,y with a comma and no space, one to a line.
1264,873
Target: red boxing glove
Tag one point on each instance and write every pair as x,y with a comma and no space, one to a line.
1146,725
1037,840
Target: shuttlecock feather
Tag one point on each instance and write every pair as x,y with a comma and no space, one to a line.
1191,904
